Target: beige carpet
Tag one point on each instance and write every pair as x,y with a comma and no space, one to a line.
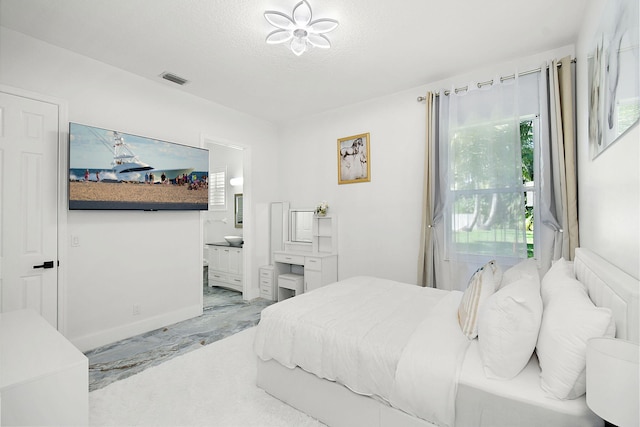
212,386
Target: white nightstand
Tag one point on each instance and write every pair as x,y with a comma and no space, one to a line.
45,379
612,372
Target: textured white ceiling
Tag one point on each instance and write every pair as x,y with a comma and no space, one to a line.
380,47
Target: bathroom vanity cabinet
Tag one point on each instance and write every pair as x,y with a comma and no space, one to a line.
225,266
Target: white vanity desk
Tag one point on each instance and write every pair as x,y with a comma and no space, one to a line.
318,269
305,261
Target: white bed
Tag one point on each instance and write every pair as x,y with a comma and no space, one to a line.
301,374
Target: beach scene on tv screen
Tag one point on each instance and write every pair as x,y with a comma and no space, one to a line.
114,170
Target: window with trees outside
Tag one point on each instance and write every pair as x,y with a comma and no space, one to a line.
492,189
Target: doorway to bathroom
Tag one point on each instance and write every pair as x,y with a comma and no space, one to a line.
223,231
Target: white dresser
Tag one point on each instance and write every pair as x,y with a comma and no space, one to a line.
44,379
225,266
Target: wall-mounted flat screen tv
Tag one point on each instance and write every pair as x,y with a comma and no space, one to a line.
114,170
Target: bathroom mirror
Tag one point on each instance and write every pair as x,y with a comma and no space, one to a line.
237,215
300,224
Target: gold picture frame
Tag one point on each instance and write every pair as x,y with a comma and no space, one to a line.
354,159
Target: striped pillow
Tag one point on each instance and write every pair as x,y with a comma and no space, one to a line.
482,284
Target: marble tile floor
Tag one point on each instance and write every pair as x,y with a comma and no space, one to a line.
224,313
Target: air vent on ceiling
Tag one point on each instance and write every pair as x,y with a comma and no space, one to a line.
173,78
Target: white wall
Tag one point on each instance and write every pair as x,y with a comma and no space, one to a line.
609,185
125,258
376,220
379,221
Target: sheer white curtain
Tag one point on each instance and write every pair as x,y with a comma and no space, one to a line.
500,159
480,193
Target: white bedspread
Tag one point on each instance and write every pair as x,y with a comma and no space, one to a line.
428,370
375,336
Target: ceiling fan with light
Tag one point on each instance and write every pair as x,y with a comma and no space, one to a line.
299,30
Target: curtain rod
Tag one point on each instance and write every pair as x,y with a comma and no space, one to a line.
490,82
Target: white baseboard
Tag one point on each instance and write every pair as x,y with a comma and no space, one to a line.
98,339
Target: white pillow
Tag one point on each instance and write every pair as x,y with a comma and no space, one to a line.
508,326
481,285
569,320
559,276
524,268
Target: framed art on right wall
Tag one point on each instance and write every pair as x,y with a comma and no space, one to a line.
354,159
614,67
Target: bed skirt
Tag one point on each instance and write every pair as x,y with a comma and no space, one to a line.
329,402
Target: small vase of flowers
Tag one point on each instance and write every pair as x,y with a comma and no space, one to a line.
321,208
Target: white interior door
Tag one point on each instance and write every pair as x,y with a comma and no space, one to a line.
28,205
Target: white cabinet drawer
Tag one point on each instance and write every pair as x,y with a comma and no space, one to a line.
289,259
313,263
265,286
266,290
214,276
235,280
266,274
266,282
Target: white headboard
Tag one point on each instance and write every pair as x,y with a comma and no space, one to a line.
610,287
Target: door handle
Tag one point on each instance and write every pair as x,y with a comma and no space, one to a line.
47,264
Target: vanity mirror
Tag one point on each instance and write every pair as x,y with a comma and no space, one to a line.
238,210
300,223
